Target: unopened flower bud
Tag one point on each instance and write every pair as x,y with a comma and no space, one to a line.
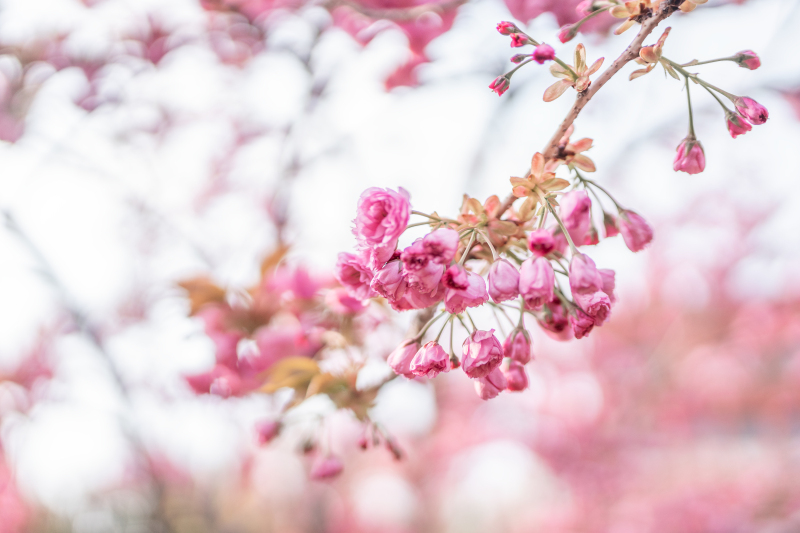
519,58
583,275
756,113
582,324
503,281
748,59
491,385
500,85
737,124
610,225
690,157
517,346
635,230
541,242
430,360
507,28
482,353
536,278
542,53
567,32
516,378
519,39
457,300
400,359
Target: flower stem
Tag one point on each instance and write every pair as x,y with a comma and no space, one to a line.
427,326
572,247
449,320
696,78
468,248
489,242
691,115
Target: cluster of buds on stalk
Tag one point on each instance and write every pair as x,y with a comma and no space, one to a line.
524,262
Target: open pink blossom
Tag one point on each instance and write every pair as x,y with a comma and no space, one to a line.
536,278
748,59
582,324
430,360
415,257
481,353
596,304
542,53
390,281
635,230
425,280
441,245
354,275
737,124
414,299
503,281
455,277
517,346
381,217
576,211
541,242
491,385
689,157
400,359
583,275
326,467
756,113
516,378
457,300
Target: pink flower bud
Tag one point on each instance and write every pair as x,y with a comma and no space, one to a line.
555,321
517,346
516,378
541,242
610,225
635,230
536,278
519,58
381,216
491,385
567,33
690,157
389,281
430,360
609,282
457,300
455,277
584,8
542,53
748,59
500,85
352,272
737,125
503,281
326,467
592,237
576,210
596,304
441,245
583,275
507,28
756,113
518,39
425,280
582,324
400,359
266,430
481,353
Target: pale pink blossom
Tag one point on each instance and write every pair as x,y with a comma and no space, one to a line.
516,378
635,230
481,353
381,217
491,385
536,278
441,245
354,275
400,359
503,281
517,346
541,242
567,32
576,211
583,275
326,467
456,301
414,299
430,360
455,277
689,157
756,113
390,281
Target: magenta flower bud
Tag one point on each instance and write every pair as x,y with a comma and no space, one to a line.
503,281
635,230
595,304
567,33
400,359
542,53
517,346
491,385
756,113
425,280
381,217
500,85
389,281
441,245
582,324
456,300
610,225
536,278
430,360
609,282
266,430
576,214
748,59
737,125
481,353
507,28
354,275
690,157
519,58
583,275
326,467
541,242
518,39
516,378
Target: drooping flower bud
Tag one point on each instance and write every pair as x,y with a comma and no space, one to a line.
582,324
737,124
748,59
326,467
595,304
500,85
430,360
481,353
609,282
756,113
610,225
400,359
516,378
541,242
576,214
583,275
503,281
635,230
457,300
567,32
507,28
542,53
690,157
536,278
519,58
491,385
519,39
441,245
517,346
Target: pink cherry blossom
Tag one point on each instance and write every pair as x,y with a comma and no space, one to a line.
341,302
441,245
457,300
503,281
381,217
609,282
610,225
491,385
266,430
748,59
517,346
390,281
583,275
596,304
541,242
400,359
430,360
542,53
506,28
690,157
576,210
354,275
582,324
500,85
737,124
518,39
536,278
481,353
635,230
756,113
425,280
516,378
